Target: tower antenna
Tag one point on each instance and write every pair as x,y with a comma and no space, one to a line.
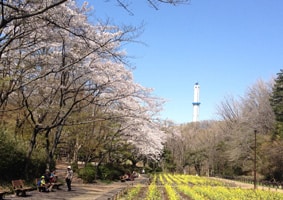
196,103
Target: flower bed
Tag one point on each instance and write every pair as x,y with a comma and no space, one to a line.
182,187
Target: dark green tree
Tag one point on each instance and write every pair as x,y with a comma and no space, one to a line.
276,102
168,164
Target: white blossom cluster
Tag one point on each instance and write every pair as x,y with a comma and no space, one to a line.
56,64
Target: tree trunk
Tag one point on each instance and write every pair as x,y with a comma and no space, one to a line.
49,155
76,149
31,147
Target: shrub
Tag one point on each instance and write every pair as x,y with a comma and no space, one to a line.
87,173
37,166
109,172
75,166
13,160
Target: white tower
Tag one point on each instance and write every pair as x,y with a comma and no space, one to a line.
196,103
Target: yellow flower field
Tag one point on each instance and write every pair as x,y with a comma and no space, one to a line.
182,187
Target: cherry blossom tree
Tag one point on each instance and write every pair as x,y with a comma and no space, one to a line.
63,66
18,22
61,75
130,109
125,4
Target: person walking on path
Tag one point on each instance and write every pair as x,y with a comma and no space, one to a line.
69,177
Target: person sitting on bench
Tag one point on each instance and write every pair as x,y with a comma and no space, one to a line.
47,186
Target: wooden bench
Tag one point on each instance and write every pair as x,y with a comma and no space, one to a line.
20,188
126,178
122,179
55,185
2,193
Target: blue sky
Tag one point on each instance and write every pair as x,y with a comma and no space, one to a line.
225,46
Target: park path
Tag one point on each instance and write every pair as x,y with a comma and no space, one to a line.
80,191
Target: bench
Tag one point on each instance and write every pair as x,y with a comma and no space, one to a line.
57,185
20,188
2,193
122,179
44,189
126,178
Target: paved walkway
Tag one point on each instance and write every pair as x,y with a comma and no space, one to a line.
80,191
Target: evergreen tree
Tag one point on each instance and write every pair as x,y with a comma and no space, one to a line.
276,102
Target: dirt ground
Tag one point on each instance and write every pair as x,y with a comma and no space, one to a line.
80,191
